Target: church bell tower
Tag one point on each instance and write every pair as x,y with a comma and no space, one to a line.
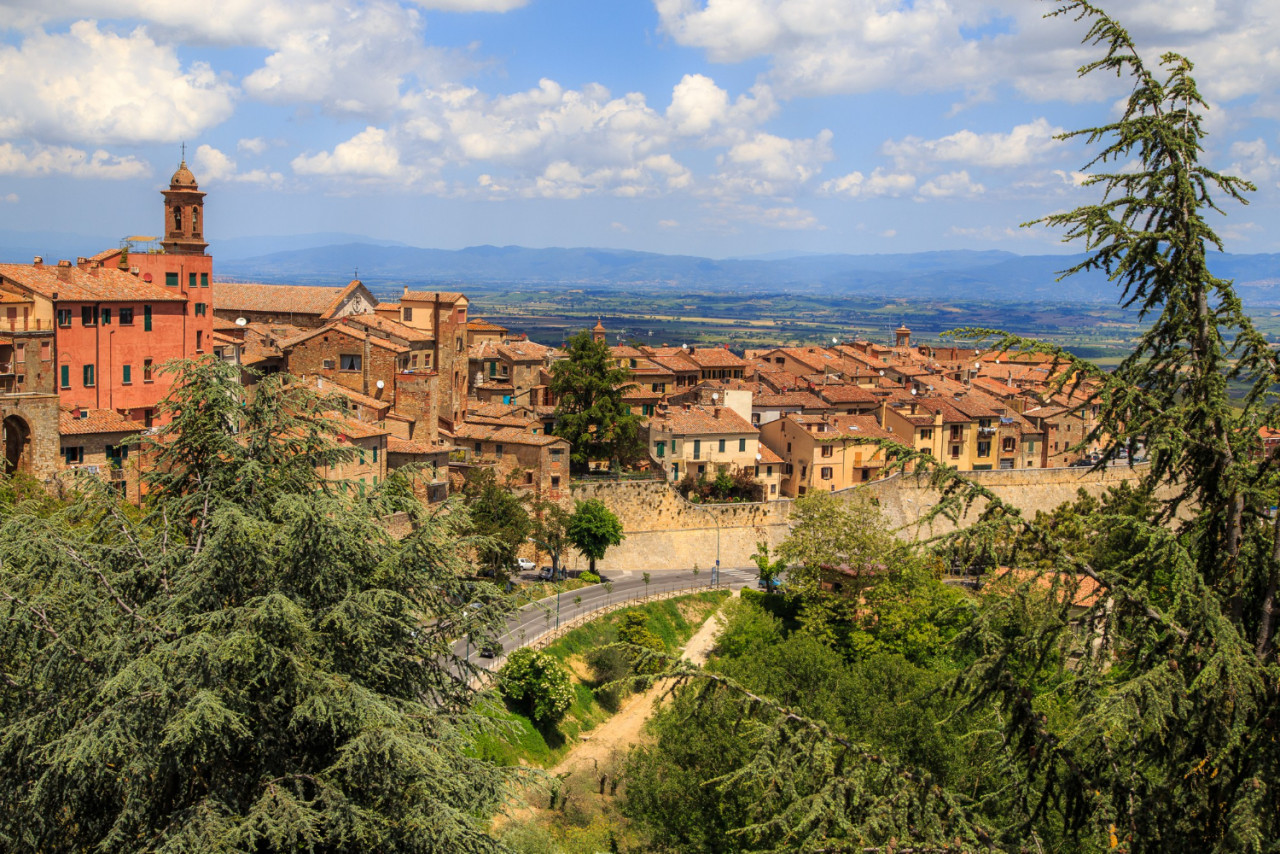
183,215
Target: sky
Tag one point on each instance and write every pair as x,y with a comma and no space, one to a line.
720,128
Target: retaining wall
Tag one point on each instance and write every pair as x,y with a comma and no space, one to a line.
665,531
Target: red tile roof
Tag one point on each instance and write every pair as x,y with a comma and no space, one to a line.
701,420
73,284
95,421
446,297
281,299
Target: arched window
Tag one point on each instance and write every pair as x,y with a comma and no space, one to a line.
177,219
195,221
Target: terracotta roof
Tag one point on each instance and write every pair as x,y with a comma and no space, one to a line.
512,351
831,428
476,324
7,297
800,399
95,421
350,331
845,394
507,435
364,400
715,357
102,284
388,326
396,445
219,338
353,429
447,297
280,299
387,306
678,363
701,420
767,456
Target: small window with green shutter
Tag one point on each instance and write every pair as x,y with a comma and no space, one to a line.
105,317
742,445
88,376
697,449
146,318
204,280
171,280
191,280
66,376
375,453
721,447
661,449
128,375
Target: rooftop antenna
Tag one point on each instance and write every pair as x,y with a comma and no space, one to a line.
184,152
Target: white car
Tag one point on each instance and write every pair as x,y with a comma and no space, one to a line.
525,565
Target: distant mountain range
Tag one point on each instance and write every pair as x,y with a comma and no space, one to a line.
945,275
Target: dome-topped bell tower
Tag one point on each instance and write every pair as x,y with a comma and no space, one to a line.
183,215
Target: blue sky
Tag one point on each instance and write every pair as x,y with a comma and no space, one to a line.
710,127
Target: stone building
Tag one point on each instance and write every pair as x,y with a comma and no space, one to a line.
101,443
702,441
444,316
529,460
826,453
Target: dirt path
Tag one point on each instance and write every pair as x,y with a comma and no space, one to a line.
611,739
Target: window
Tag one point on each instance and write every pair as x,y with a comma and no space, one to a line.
204,280
44,350
742,446
827,450
105,317
721,447
200,309
660,450
348,362
773,489
73,455
191,281
825,473
127,378
88,376
555,481
477,447
146,370
86,315
984,449
171,280
65,376
493,369
646,409
327,364
497,449
146,318
768,471
64,317
675,471
955,452
126,317
555,452
375,453
177,220
195,221
406,313
1009,444
633,363
866,474
697,449
199,340
659,388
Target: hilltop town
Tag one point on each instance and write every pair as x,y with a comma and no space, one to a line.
422,380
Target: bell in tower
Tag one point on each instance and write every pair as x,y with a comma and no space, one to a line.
184,215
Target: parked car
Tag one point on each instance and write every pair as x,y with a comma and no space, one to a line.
525,565
546,573
491,650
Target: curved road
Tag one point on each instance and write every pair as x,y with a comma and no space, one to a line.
538,618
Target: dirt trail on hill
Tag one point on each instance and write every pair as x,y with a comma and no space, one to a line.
611,739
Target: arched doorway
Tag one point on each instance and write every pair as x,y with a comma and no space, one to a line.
17,441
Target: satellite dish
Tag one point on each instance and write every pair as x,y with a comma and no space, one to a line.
240,321
913,391
759,457
381,384
835,340
715,396
882,373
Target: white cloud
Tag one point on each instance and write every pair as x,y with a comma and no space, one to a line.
95,86
11,198
366,155
1253,161
212,166
1000,234
43,160
1025,144
668,223
252,145
771,165
781,217
951,185
881,183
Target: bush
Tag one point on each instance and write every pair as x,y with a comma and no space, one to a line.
588,577
537,684
609,665
739,486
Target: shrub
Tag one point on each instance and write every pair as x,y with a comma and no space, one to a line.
537,684
609,664
589,577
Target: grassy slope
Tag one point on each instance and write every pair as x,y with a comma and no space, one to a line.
523,743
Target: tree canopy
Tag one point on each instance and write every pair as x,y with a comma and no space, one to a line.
250,662
590,413
593,529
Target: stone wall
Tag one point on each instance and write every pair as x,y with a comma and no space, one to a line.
664,531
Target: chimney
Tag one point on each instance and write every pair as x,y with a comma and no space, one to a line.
64,271
82,261
716,412
38,262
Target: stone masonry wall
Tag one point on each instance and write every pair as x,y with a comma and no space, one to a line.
664,531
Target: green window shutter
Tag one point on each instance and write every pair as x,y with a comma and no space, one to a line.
375,455
697,449
146,318
66,376
204,280
191,280
128,374
721,446
171,280
88,375
742,445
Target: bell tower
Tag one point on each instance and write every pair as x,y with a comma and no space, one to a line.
183,215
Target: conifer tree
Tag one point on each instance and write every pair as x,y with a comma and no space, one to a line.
249,664
591,413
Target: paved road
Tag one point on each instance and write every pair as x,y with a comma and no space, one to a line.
538,618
